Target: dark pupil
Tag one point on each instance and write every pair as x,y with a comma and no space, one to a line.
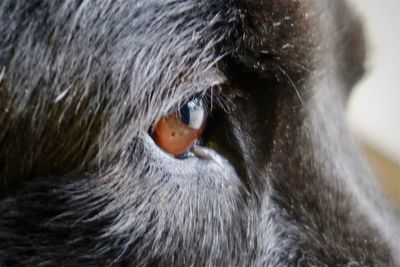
185,114
186,111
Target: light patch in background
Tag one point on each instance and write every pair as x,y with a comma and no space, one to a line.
374,106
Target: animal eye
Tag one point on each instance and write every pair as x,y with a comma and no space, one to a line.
177,132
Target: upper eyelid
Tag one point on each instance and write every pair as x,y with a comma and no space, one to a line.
205,97
211,95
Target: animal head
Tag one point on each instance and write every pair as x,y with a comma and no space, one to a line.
270,176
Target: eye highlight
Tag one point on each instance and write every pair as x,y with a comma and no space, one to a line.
177,132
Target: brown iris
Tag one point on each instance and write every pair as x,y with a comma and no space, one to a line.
176,133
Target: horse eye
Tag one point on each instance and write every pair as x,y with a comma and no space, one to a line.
177,132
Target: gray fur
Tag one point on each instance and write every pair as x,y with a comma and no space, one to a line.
83,184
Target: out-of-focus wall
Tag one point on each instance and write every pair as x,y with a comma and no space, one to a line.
374,106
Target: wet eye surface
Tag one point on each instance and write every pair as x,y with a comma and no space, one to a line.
177,132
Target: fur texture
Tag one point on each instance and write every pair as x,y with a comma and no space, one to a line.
83,184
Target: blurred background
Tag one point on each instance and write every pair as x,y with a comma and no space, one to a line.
374,106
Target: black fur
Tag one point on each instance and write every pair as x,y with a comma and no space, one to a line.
82,183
